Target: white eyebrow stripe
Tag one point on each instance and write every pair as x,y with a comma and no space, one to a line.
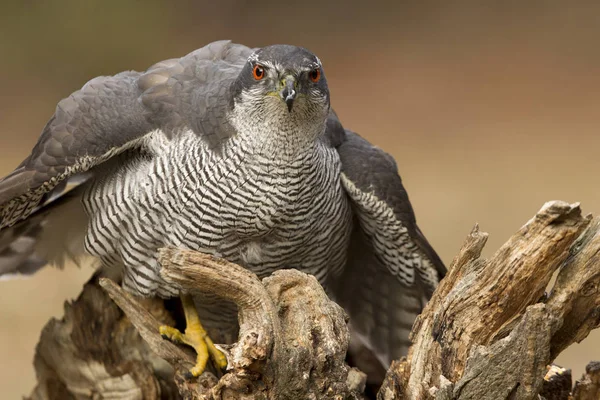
269,64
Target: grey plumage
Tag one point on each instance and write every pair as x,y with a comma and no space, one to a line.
391,270
198,152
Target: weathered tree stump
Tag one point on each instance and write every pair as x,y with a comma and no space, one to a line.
490,330
292,340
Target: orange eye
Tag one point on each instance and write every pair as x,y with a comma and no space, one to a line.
258,72
315,75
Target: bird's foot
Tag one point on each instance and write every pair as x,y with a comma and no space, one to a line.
196,337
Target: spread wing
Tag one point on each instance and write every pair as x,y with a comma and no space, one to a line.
392,269
112,114
109,116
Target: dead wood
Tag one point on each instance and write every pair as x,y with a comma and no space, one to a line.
94,352
490,330
292,340
588,387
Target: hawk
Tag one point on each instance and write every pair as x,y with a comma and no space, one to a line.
231,151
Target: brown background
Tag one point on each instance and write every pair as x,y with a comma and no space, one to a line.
490,108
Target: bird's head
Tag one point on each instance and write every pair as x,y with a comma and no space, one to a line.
283,84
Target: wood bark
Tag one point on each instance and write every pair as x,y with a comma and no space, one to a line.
491,330
292,340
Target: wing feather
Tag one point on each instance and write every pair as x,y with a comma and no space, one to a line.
109,116
112,114
381,202
392,269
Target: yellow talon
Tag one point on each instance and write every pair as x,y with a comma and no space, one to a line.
196,337
170,333
217,355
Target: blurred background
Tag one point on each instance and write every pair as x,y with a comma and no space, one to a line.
490,108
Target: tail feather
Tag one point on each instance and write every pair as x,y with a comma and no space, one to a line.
19,258
51,235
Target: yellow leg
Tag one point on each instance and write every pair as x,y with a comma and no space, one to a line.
195,336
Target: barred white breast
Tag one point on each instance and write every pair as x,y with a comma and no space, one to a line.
244,203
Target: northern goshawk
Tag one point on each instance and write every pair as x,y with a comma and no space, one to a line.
230,151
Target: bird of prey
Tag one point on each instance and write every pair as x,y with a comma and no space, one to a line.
231,151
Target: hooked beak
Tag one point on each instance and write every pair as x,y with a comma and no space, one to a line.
288,93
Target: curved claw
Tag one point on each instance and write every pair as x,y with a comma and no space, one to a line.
196,337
